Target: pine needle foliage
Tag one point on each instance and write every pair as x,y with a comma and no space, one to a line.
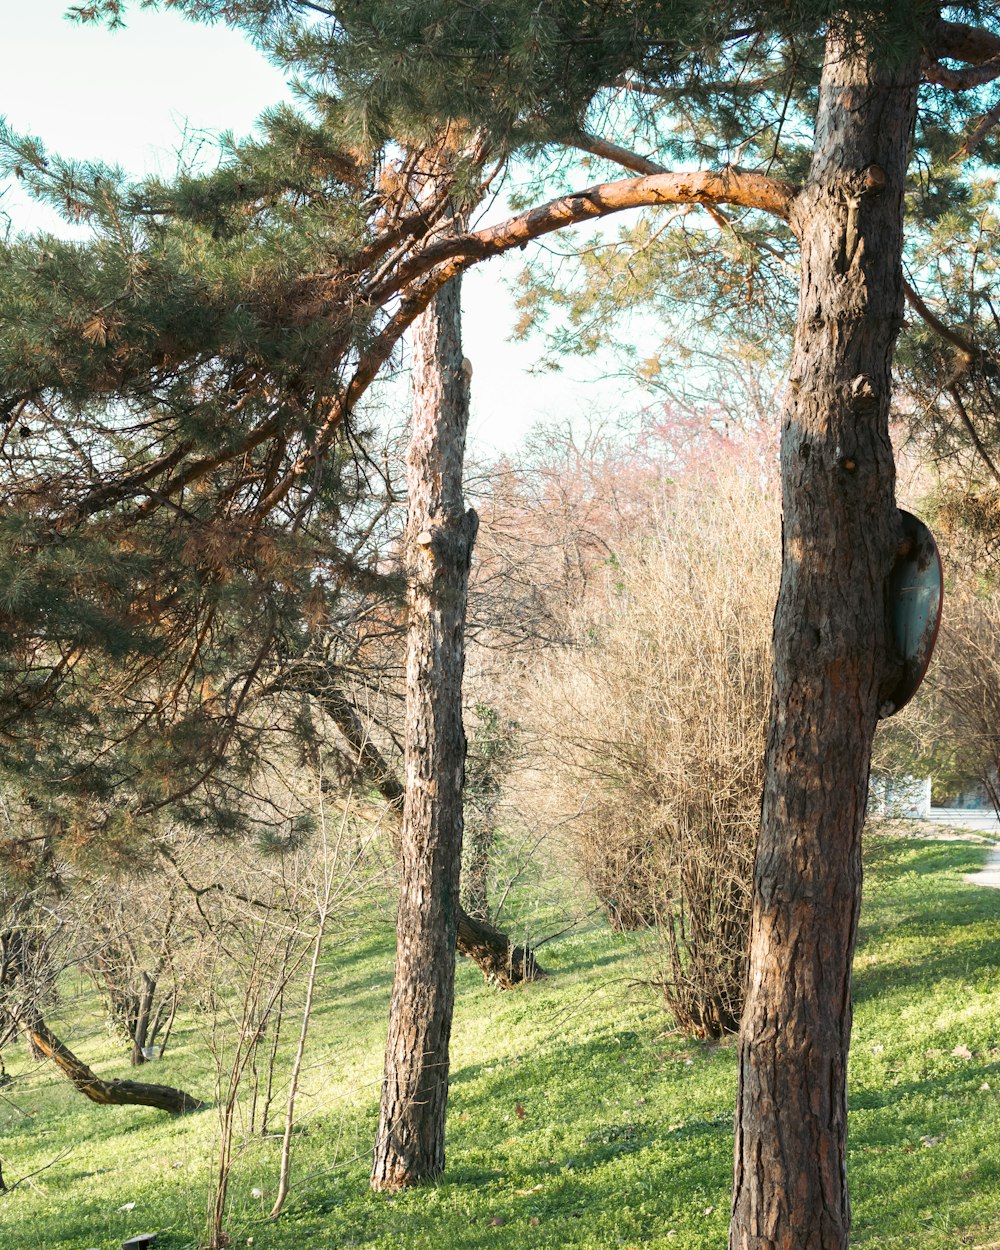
180,388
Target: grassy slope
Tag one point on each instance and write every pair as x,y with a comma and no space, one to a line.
626,1137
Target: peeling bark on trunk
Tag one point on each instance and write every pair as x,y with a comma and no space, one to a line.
107,1093
501,960
833,662
439,538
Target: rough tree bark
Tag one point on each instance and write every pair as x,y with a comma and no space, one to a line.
438,543
833,660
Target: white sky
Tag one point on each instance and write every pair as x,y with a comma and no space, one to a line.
127,96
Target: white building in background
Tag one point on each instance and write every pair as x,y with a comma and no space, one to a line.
900,797
909,798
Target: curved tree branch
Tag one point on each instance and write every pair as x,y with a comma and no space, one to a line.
427,271
979,132
628,159
965,346
961,42
410,285
609,151
973,434
730,185
965,79
966,353
108,1093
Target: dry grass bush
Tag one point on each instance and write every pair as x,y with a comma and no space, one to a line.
950,730
649,731
960,717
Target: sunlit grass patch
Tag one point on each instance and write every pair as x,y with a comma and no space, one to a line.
578,1119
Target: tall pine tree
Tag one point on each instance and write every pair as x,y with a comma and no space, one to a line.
315,224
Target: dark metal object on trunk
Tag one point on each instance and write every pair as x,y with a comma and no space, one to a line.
915,595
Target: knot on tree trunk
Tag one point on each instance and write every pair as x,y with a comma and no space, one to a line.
865,398
449,539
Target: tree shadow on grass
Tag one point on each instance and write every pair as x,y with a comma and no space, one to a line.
615,1189
960,960
905,906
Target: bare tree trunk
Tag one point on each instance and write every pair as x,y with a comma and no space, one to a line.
439,538
272,1060
285,1169
218,1238
500,959
170,1011
108,1093
833,660
145,1004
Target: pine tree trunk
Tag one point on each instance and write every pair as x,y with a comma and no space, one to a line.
833,662
439,539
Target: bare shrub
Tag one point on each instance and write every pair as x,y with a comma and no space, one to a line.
950,730
136,945
960,716
649,734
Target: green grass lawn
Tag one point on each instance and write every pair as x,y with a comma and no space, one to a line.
576,1118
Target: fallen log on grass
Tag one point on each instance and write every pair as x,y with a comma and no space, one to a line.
108,1093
